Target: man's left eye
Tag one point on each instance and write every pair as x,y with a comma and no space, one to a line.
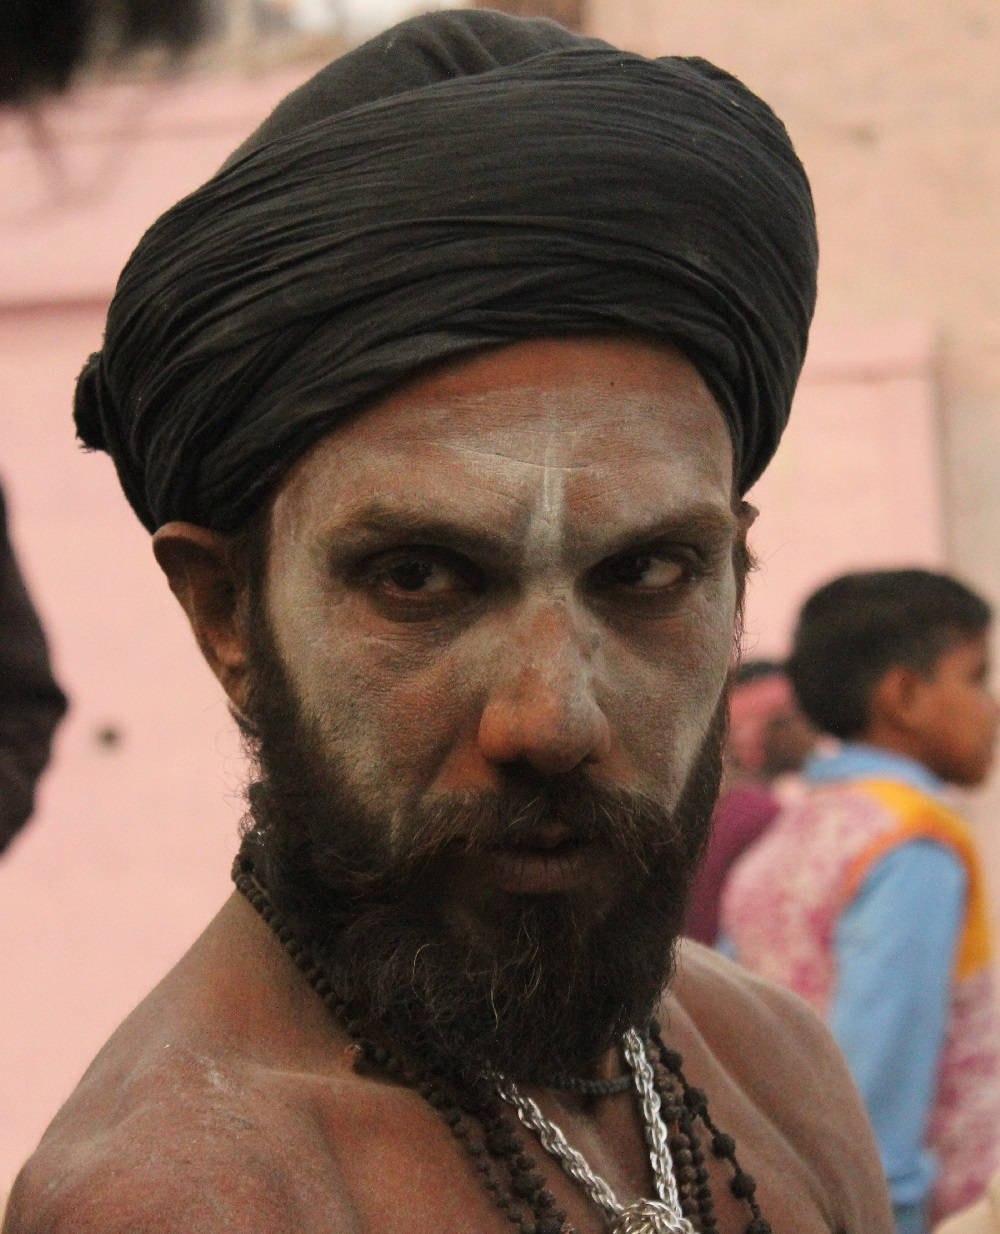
645,571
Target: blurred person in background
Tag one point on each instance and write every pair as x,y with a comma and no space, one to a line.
767,742
867,897
769,737
31,703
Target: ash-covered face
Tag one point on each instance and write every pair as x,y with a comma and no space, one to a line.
486,676
580,891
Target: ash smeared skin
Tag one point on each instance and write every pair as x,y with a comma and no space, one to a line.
536,660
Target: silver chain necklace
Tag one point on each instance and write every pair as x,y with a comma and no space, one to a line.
660,1216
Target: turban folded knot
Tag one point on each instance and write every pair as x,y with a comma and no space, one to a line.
464,180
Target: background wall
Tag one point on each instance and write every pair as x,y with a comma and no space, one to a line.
129,851
891,455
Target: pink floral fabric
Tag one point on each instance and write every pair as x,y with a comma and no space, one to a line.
781,906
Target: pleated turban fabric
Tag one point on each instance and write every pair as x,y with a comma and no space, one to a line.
464,180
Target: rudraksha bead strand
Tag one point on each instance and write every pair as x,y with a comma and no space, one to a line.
741,1184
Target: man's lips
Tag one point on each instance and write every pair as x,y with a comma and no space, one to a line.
549,861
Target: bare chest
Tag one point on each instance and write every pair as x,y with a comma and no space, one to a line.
405,1171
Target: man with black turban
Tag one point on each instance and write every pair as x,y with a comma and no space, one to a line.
440,399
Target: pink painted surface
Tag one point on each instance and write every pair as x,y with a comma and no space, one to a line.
119,156
856,482
128,854
129,851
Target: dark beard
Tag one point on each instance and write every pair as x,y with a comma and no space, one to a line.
527,985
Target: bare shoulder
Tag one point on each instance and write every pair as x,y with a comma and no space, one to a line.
228,1103
178,1168
781,1068
736,1009
179,1128
185,1146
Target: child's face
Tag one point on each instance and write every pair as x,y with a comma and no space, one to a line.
958,714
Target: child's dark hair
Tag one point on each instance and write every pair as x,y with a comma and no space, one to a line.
855,628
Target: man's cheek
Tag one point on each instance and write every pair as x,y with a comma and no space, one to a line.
660,714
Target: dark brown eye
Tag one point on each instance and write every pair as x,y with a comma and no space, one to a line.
644,571
422,576
413,575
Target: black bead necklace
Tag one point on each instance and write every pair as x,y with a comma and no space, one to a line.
477,1118
585,1086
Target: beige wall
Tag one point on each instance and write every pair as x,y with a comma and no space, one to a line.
856,482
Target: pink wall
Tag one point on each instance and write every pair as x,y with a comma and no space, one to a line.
856,481
128,855
129,852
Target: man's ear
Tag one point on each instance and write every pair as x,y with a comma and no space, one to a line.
197,563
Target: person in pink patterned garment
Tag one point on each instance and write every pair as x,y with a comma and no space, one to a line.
768,741
867,897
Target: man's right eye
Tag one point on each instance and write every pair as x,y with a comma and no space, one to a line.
420,581
412,575
420,574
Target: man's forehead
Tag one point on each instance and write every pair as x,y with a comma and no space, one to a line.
543,393
528,428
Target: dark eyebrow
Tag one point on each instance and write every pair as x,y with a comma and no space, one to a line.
376,522
705,525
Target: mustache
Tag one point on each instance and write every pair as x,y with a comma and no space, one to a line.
629,823
336,858
392,857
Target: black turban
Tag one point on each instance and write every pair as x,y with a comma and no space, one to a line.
466,179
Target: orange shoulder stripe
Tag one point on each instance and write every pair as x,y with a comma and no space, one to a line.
921,817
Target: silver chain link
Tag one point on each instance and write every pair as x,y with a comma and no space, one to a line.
656,1133
663,1217
556,1144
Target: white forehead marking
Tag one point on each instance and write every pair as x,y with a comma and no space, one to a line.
553,487
542,475
546,523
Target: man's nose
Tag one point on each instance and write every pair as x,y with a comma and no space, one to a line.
541,708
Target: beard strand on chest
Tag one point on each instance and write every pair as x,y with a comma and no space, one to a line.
528,985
